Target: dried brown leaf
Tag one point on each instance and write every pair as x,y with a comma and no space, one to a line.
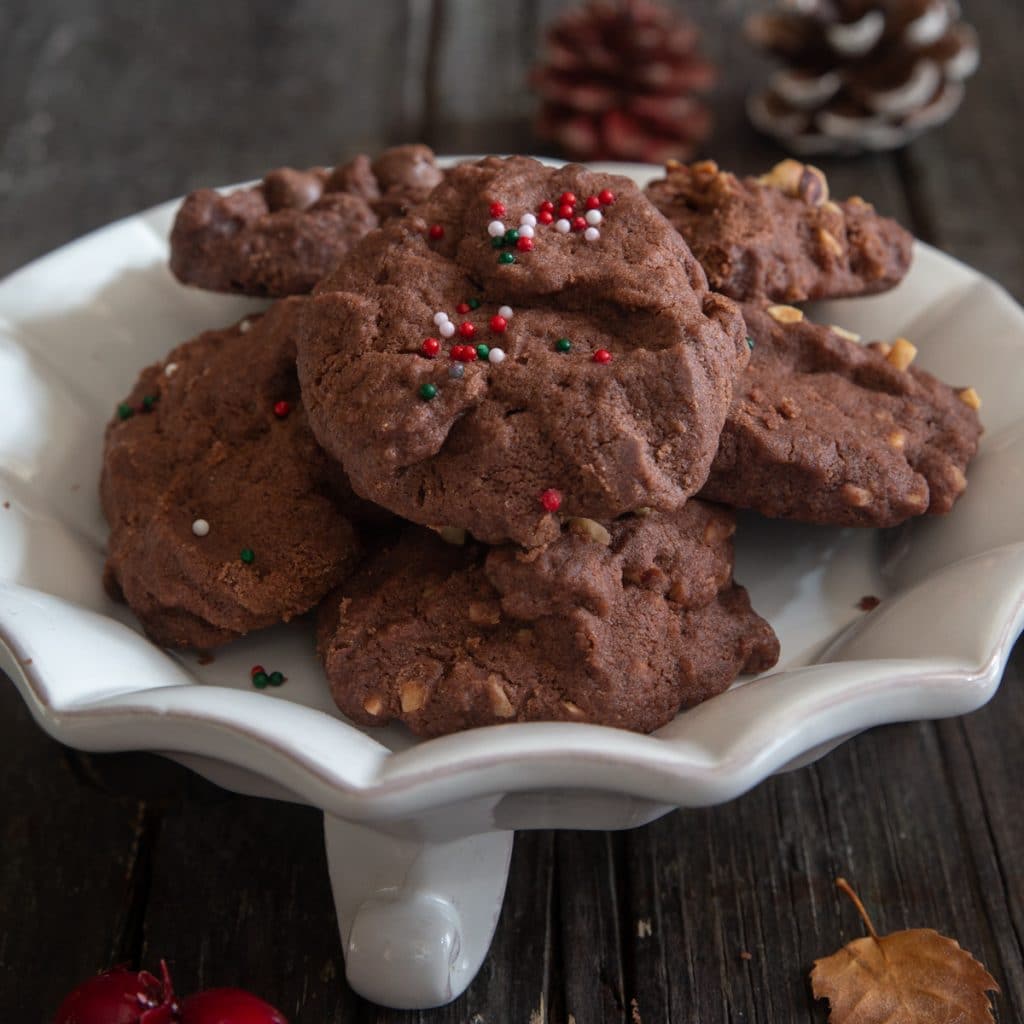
910,977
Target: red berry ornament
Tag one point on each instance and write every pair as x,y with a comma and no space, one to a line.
551,499
228,1006
120,996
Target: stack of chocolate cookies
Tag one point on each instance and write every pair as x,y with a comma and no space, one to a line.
497,421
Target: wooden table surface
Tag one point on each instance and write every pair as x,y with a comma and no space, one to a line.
108,106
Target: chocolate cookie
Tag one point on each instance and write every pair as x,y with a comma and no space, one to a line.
221,506
780,236
825,430
618,626
281,236
496,359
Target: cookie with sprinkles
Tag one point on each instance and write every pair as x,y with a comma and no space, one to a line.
825,430
459,376
780,236
618,625
224,513
281,236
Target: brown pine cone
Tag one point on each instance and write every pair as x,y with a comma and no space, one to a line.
860,74
619,81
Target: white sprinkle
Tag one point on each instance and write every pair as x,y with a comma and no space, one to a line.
529,220
447,329
171,369
505,311
563,226
594,217
200,527
245,326
525,231
496,355
591,234
495,228
440,317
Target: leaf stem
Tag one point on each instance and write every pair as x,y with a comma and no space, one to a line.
844,887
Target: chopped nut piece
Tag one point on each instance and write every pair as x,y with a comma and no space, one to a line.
591,530
970,397
643,511
413,696
902,354
500,704
829,242
844,333
802,181
785,314
573,709
854,496
956,474
484,613
789,408
705,167
897,439
858,201
373,705
881,347
718,529
833,207
452,534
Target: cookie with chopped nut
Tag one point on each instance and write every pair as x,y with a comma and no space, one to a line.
825,430
281,236
225,516
780,236
620,624
534,341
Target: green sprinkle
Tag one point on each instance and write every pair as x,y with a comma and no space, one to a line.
473,303
428,391
261,679
276,678
247,555
483,351
750,343
506,258
125,411
563,345
498,243
511,236
149,401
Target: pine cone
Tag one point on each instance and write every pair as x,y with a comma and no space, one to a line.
618,82
862,74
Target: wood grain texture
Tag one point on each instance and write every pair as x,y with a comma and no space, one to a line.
704,916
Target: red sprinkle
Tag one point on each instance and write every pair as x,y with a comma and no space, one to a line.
524,244
499,323
256,670
603,356
607,196
281,409
430,347
566,211
463,308
497,209
545,217
551,499
466,329
567,198
579,224
592,202
546,207
436,231
463,353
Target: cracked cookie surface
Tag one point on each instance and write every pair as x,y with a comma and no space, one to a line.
604,375
620,625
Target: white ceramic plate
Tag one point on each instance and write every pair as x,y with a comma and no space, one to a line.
77,325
